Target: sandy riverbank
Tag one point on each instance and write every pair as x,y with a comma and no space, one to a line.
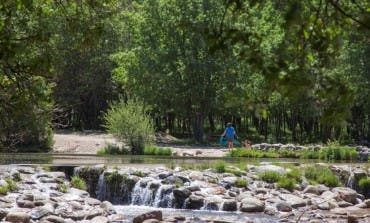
92,142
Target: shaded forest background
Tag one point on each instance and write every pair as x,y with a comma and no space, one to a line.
281,71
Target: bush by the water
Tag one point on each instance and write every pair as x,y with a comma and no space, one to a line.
78,183
286,183
111,149
10,185
151,150
294,174
270,176
364,185
321,175
240,182
339,153
220,167
130,123
329,153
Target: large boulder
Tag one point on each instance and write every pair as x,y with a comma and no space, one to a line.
180,194
3,213
283,206
229,205
194,202
228,182
99,219
346,194
39,212
53,218
315,189
269,167
252,205
18,217
293,200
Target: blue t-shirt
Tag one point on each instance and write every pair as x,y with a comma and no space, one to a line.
230,131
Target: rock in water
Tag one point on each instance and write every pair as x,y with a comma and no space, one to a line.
252,205
149,215
18,217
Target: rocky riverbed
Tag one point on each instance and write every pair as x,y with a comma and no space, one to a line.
32,194
209,190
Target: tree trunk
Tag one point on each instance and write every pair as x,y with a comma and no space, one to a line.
211,122
197,124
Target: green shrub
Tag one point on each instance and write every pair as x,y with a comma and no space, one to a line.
11,185
286,183
151,150
294,174
321,175
220,167
240,182
3,190
129,123
364,185
338,153
270,176
329,180
111,149
62,188
236,172
78,183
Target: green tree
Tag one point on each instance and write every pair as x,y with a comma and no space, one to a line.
168,63
25,103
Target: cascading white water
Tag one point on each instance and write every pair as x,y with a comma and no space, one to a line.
101,188
164,196
144,192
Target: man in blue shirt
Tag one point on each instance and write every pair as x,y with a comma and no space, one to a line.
229,133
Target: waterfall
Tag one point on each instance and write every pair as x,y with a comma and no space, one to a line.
144,192
351,180
164,196
101,189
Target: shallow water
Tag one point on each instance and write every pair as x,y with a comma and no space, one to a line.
76,160
196,216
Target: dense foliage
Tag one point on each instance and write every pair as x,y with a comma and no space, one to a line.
281,71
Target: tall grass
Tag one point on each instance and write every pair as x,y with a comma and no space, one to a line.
78,183
321,175
151,150
329,153
270,176
220,167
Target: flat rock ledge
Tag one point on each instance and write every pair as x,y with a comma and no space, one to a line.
28,193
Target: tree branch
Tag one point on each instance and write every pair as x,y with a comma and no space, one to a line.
347,15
